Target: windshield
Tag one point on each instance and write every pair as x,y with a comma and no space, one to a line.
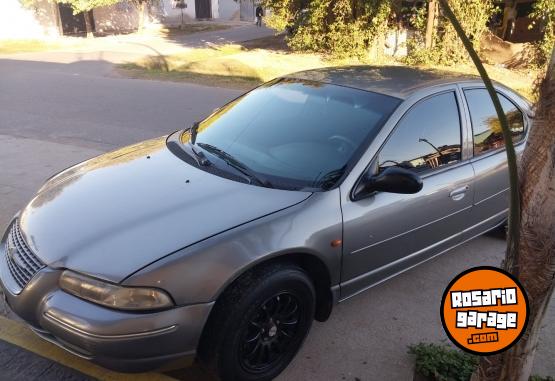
295,134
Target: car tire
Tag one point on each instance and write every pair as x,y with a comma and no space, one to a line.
258,324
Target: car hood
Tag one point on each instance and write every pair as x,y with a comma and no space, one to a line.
116,213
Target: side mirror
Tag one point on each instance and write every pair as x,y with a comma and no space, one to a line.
391,180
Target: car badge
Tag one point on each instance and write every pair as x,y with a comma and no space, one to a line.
14,257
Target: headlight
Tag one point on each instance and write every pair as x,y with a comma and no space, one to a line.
114,296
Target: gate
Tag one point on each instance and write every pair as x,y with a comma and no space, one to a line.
203,9
71,24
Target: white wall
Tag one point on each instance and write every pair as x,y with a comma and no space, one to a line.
221,10
227,9
395,43
172,16
39,21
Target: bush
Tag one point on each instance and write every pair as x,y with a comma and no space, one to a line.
442,363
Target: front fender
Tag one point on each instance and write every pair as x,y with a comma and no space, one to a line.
198,274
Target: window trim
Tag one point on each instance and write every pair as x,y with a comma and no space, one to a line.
507,96
435,171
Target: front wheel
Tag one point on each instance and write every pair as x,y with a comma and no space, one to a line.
259,324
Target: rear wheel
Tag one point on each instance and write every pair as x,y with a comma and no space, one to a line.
259,324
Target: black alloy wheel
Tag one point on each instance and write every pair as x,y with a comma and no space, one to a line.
258,324
269,331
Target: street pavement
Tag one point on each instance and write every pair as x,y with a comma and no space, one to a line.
55,114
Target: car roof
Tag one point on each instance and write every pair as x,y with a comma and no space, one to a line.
396,81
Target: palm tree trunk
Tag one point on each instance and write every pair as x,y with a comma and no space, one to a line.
535,254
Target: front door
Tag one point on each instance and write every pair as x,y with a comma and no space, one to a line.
386,233
203,9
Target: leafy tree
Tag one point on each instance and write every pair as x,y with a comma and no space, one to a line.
543,13
337,27
86,7
435,40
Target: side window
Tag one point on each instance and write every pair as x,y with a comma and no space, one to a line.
485,123
427,137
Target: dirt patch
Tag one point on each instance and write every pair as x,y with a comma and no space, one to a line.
494,50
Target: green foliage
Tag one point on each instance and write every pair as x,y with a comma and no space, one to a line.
337,27
543,13
540,378
283,12
442,363
87,5
447,48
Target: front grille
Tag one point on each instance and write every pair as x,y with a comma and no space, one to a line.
23,264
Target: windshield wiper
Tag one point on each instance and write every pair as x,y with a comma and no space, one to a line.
233,162
329,179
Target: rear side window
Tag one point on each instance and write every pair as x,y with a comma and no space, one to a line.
428,136
485,123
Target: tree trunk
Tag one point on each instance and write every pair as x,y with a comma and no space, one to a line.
89,23
534,257
507,11
142,7
430,24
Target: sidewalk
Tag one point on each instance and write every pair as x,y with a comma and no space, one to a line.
25,366
125,48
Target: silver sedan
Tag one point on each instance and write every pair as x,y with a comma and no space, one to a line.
226,240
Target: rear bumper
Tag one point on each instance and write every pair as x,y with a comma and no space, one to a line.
119,340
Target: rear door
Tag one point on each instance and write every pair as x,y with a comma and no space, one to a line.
386,232
491,198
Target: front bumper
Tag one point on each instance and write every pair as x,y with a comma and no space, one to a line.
119,340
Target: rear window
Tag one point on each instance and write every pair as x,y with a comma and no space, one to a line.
486,127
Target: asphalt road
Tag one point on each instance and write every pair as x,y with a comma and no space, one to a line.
53,115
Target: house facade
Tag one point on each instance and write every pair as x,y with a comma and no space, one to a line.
225,10
46,18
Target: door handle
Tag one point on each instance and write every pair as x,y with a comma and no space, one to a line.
459,193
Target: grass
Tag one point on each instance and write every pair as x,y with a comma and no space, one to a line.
228,66
22,46
246,66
